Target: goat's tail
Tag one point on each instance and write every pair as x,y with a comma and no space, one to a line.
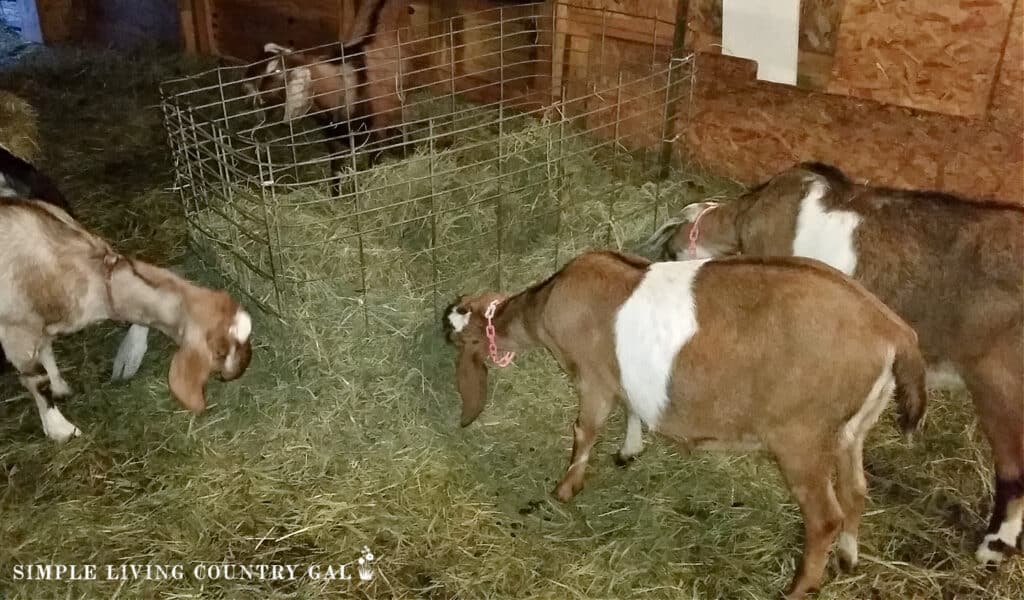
367,22
911,396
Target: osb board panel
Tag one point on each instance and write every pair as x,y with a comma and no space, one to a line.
984,159
937,56
819,22
749,129
1008,94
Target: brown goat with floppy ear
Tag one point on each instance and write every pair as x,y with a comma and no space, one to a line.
64,278
471,369
212,329
786,355
950,266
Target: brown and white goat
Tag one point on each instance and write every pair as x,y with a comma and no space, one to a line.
21,180
782,354
950,266
61,278
353,92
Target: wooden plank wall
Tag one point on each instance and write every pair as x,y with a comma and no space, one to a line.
748,129
819,25
950,118
116,23
914,92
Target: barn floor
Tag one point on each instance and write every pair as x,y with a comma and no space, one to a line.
330,444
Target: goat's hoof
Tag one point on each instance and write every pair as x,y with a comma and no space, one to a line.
622,460
993,550
795,593
63,432
846,552
565,492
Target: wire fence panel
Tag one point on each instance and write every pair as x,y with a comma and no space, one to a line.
482,151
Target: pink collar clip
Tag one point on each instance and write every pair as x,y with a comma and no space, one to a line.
492,344
695,230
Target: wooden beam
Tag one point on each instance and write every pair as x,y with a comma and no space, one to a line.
206,40
559,26
675,85
187,21
346,14
622,27
56,20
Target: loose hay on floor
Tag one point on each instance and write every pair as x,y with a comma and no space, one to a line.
18,132
333,441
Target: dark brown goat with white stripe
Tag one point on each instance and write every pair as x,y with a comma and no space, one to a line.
952,267
783,354
353,91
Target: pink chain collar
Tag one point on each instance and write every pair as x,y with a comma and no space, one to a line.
492,344
695,230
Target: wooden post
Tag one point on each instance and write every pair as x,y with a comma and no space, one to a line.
206,41
559,28
187,22
346,14
674,85
57,21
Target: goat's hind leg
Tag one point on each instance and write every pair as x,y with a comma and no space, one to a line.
996,384
850,484
851,487
807,469
21,351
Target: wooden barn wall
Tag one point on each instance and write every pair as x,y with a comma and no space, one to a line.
937,56
914,93
1007,107
116,23
750,129
819,26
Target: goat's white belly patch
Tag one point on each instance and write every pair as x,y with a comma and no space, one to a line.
825,235
651,327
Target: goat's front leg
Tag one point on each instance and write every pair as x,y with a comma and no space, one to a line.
129,354
634,442
58,387
55,425
596,403
20,347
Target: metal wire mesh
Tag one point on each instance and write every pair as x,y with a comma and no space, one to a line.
511,138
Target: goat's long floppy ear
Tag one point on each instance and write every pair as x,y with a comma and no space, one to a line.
272,48
298,93
656,244
190,368
471,375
